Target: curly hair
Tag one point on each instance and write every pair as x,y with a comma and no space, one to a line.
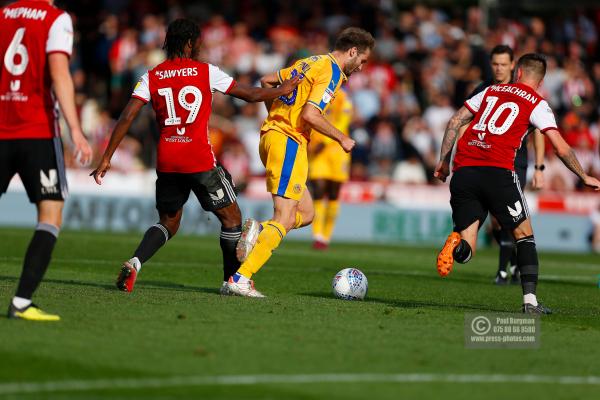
179,33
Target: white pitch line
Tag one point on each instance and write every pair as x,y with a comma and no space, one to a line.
226,380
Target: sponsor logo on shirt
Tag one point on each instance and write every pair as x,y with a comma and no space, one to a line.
14,94
478,143
178,139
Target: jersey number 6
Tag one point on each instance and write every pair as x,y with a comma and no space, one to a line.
16,47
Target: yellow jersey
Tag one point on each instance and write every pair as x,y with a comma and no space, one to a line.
322,77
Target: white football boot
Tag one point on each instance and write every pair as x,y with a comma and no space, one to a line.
245,289
250,231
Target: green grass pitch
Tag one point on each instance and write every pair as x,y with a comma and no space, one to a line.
176,325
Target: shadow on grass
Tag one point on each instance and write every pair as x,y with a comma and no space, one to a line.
65,282
414,303
177,287
479,280
160,285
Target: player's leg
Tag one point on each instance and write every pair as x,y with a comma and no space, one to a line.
287,170
339,172
319,187
468,215
528,265
509,206
172,191
41,168
154,238
271,234
507,245
36,261
231,230
216,192
459,247
305,211
514,270
332,210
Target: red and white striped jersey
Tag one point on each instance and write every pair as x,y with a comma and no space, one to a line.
181,92
30,31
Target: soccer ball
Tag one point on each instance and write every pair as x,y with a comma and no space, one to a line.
350,284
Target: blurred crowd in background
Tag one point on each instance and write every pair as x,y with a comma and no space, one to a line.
426,61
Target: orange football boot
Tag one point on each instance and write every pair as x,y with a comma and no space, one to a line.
445,259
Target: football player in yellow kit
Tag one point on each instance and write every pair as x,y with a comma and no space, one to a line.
283,148
329,168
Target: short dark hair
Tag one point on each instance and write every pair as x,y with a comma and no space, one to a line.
354,37
179,33
502,49
533,63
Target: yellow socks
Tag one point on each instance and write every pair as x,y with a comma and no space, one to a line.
333,208
319,219
268,240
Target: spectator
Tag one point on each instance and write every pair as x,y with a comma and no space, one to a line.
427,60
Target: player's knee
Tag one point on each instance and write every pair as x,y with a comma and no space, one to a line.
50,213
522,231
171,226
230,217
171,222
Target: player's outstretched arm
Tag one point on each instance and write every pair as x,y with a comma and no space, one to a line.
312,116
126,118
254,94
539,147
568,157
460,118
62,83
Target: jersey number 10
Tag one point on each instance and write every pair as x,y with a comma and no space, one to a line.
491,126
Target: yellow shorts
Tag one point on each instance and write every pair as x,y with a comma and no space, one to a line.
286,162
332,164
